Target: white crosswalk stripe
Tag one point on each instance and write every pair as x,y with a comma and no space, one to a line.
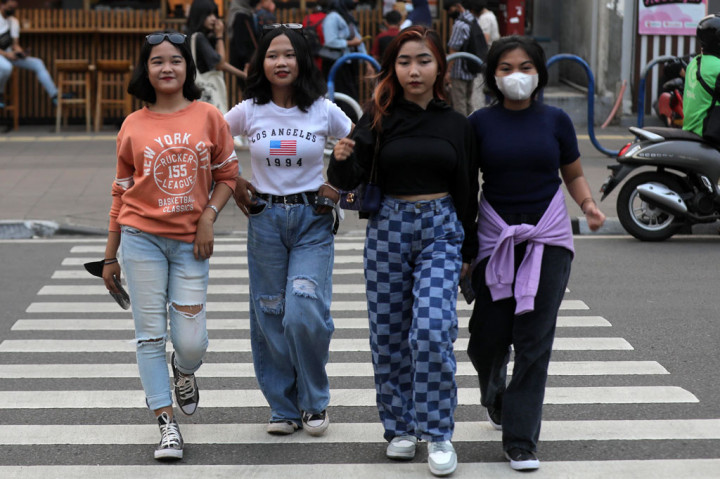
72,351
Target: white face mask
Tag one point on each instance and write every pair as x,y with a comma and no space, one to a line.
517,86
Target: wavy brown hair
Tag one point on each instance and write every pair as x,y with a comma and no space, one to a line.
388,88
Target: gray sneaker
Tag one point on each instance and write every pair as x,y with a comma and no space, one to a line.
402,447
316,424
171,441
442,458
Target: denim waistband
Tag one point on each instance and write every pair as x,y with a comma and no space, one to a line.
422,205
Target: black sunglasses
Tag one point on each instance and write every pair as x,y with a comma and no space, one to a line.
157,38
289,26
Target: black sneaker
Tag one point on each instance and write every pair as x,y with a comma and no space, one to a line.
315,424
494,416
522,460
171,441
187,393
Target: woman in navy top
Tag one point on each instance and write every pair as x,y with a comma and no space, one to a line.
525,240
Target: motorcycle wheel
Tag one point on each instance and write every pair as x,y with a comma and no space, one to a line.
642,220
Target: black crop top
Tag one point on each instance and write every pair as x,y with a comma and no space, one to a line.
421,152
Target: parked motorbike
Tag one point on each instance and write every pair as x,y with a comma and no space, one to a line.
682,189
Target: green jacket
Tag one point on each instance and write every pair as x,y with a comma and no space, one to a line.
696,100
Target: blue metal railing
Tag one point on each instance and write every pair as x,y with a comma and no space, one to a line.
590,96
339,63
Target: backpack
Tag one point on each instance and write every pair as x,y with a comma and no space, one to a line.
313,32
475,45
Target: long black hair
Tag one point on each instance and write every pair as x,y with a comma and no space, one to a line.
199,11
140,86
309,85
506,44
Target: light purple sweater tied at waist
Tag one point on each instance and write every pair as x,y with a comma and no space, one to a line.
498,240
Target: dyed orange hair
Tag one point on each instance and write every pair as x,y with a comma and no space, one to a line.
388,87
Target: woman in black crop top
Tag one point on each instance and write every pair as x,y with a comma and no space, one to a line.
413,247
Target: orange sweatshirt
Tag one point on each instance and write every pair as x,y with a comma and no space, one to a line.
166,164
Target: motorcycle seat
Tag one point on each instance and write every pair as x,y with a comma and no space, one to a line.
673,133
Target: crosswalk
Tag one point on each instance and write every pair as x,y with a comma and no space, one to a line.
72,405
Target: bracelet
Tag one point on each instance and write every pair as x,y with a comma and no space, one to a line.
219,39
214,208
332,187
589,198
108,261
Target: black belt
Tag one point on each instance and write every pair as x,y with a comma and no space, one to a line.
295,199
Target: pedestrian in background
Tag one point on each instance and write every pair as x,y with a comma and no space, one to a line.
525,240
209,31
342,36
489,25
290,227
176,169
392,21
458,77
412,255
12,54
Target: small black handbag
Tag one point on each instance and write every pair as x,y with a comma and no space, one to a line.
711,124
366,197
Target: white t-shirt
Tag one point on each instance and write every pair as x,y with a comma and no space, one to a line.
286,144
11,24
489,25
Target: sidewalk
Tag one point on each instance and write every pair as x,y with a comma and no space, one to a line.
59,184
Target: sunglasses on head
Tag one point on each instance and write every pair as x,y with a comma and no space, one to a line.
157,38
289,26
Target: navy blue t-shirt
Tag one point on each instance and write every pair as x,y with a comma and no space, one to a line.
520,154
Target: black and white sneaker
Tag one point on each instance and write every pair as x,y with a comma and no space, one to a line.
494,416
316,424
187,393
171,442
522,460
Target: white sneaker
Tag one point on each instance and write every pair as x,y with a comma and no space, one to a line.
442,458
282,428
402,447
316,424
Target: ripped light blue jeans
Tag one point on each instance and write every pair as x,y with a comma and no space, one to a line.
162,273
290,260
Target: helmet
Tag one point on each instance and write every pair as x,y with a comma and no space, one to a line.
708,34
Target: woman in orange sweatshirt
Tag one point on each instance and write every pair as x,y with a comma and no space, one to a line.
170,154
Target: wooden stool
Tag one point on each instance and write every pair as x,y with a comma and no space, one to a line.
112,74
12,99
67,76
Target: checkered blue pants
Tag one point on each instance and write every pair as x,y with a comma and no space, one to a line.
412,268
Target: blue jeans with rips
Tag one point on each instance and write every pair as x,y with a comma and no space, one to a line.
290,260
161,274
412,270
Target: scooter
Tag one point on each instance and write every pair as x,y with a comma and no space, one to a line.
682,190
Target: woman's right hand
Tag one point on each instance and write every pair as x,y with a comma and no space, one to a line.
343,149
355,41
244,191
109,272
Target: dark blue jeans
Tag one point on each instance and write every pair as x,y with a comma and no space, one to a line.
494,327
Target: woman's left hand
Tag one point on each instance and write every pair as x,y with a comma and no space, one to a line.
205,235
595,217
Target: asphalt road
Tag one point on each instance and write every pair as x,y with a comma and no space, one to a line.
656,299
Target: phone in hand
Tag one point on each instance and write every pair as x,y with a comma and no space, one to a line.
466,288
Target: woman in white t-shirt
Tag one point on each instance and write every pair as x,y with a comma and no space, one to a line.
290,228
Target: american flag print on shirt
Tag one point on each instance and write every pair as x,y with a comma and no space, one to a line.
283,147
